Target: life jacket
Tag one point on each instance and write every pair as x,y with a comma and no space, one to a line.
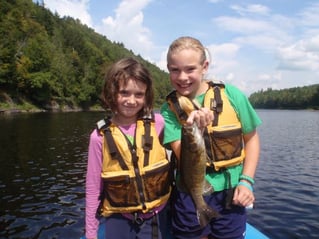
223,138
136,178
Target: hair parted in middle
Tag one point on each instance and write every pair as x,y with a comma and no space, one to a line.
187,42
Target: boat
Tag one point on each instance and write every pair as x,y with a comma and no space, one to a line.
251,232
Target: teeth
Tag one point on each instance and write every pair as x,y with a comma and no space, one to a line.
184,86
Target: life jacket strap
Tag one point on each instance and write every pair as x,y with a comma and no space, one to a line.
147,141
229,191
113,149
155,227
216,104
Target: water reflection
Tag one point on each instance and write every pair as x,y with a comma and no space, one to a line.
43,158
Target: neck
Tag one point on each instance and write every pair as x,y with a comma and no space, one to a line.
123,121
201,90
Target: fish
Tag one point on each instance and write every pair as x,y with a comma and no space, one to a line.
192,180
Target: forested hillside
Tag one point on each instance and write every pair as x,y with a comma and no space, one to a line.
306,97
56,63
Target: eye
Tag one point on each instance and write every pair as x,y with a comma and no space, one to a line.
190,69
173,70
123,93
140,95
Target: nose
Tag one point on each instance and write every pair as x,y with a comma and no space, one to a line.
131,99
182,75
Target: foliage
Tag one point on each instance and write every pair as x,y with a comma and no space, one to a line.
306,97
45,58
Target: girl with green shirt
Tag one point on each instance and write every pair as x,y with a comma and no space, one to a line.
187,64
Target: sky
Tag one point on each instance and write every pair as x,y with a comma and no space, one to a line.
254,45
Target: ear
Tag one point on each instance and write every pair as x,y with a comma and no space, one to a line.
205,66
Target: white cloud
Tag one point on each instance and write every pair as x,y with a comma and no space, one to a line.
292,43
77,9
162,63
270,80
246,26
241,25
215,1
222,57
310,15
224,65
303,55
127,27
312,44
250,9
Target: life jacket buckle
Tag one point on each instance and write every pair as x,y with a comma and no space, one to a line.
216,105
137,219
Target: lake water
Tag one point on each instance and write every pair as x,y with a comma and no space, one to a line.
43,165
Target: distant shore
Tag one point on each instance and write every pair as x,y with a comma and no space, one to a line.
37,110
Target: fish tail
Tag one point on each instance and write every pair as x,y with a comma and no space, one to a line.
205,214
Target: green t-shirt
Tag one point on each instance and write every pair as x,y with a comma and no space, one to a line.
247,116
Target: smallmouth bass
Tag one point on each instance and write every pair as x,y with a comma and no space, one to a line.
192,172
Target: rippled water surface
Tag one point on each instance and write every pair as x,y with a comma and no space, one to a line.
43,164
287,180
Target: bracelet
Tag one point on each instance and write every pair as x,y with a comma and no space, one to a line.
247,178
245,184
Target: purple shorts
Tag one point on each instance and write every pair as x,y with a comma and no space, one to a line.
231,224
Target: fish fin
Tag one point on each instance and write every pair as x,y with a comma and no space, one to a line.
208,188
204,215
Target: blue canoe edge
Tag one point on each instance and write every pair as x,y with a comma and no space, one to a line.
254,233
251,232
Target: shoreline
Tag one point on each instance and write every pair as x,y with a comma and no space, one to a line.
24,111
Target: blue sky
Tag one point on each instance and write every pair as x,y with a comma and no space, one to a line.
253,44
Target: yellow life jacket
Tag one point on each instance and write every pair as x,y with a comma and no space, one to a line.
136,178
223,138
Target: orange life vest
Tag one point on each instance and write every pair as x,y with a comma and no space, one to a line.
223,138
135,177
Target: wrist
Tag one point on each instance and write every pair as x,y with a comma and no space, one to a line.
246,185
247,178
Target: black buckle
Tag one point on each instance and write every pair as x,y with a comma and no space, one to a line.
138,220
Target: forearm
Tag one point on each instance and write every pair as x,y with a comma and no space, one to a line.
93,185
243,194
252,150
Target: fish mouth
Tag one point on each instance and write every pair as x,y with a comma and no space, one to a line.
190,129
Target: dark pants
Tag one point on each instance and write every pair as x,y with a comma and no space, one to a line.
231,224
121,227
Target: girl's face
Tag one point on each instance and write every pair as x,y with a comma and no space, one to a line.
187,72
130,100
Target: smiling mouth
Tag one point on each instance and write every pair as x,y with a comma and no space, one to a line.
184,85
130,107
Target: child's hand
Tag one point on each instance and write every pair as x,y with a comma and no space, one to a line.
202,117
243,196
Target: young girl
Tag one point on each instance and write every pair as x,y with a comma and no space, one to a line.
231,139
127,178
